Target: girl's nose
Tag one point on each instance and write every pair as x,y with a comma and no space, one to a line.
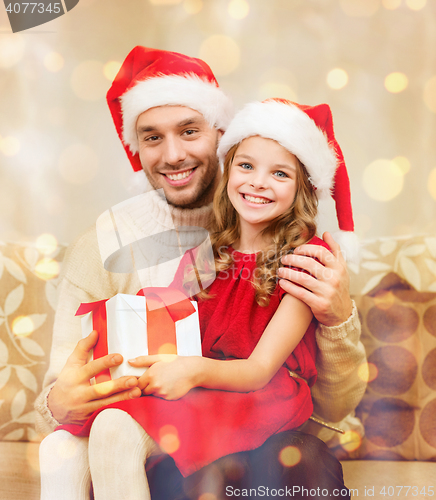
258,180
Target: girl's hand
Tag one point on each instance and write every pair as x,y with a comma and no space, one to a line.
168,376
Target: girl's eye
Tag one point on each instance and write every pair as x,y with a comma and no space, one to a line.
245,166
279,173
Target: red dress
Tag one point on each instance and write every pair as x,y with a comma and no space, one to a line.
207,424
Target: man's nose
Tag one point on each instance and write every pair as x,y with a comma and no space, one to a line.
174,151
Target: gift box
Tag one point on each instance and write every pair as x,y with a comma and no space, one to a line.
156,321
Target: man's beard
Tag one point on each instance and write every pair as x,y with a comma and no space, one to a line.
204,189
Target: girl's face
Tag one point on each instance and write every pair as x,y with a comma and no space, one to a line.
262,181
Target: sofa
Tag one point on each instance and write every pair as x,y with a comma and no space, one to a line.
394,287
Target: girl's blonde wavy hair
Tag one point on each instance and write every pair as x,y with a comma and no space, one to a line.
294,227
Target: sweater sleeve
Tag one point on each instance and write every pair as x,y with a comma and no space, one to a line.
66,334
339,388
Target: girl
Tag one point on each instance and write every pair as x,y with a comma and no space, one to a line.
277,162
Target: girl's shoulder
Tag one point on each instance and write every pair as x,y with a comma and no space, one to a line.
318,241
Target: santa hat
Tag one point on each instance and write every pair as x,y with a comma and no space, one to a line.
307,132
149,78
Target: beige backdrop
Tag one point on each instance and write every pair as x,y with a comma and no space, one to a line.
373,61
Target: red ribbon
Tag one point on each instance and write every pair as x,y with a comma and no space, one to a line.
164,307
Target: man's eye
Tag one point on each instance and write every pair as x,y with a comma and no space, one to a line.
189,132
151,138
279,173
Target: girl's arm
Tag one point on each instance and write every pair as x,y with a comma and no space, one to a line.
172,377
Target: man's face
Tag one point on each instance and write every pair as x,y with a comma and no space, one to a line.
177,149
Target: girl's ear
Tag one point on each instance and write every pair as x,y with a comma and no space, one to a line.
220,133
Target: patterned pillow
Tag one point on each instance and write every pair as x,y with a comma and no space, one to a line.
28,282
399,407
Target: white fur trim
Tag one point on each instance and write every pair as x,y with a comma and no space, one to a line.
350,245
189,90
294,130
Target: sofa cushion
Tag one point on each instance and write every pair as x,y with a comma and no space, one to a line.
399,406
28,282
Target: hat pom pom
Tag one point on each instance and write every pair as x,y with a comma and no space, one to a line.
137,183
350,245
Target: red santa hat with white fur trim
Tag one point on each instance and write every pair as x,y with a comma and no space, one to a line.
149,78
307,132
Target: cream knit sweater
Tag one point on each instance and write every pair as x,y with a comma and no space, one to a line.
338,389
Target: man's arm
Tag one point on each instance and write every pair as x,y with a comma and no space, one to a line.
339,387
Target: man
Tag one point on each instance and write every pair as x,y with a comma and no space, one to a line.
169,113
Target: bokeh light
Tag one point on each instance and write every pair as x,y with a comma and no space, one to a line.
403,163
350,440
222,53
337,78
54,62
111,69
360,8
385,300
32,455
391,4
431,184
238,9
396,82
416,4
207,496
193,6
383,180
78,164
290,456
167,348
169,439
273,89
46,243
22,326
9,146
367,372
47,269
88,81
11,49
430,94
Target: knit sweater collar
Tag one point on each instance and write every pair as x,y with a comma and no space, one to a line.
168,216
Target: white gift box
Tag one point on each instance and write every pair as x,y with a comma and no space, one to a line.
126,329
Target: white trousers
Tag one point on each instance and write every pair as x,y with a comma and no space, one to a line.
113,456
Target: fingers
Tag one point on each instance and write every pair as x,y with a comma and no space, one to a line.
333,245
80,354
144,361
111,387
94,367
310,299
115,398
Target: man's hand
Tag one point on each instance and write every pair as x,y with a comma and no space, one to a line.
73,399
326,292
169,376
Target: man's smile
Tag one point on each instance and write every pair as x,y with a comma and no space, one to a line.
179,178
